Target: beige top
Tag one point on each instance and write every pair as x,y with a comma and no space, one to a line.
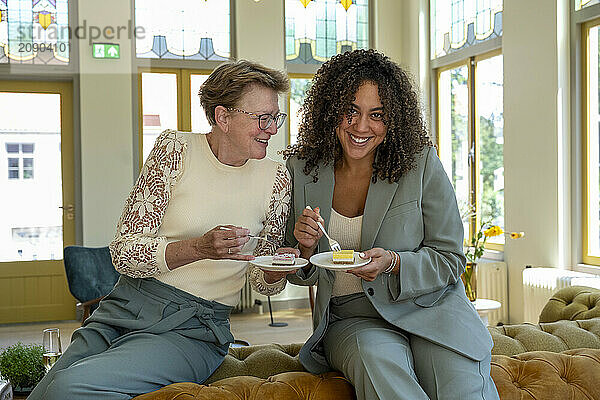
347,232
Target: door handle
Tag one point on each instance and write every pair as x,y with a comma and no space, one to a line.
70,210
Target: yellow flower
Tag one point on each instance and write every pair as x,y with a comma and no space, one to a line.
493,231
517,235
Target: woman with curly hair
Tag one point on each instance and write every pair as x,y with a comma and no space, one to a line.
399,327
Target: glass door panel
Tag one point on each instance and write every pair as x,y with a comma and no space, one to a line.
453,94
37,212
31,216
490,119
298,88
159,107
199,122
593,146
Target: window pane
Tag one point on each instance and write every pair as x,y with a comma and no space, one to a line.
593,172
456,24
317,30
453,132
183,29
34,32
199,122
12,147
33,204
489,95
159,107
298,88
579,4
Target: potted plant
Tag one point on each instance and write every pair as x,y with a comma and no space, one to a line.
22,365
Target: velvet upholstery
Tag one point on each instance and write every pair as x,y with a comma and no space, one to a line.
556,360
90,272
572,303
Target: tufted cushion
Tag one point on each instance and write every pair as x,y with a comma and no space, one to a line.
572,303
260,361
555,336
572,375
288,385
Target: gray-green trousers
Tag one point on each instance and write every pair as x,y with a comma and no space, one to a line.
144,335
384,362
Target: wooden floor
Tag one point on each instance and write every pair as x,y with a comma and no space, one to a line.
251,327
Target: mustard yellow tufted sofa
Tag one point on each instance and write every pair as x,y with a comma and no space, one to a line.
557,359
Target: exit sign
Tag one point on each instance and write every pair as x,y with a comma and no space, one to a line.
106,50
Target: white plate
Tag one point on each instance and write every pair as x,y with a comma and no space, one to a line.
266,263
324,260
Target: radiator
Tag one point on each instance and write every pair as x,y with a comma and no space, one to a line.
246,298
492,284
539,284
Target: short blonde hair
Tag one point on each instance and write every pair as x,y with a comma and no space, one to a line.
228,83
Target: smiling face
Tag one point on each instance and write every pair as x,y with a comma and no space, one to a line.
246,140
360,135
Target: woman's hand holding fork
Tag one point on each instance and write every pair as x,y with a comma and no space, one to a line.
307,232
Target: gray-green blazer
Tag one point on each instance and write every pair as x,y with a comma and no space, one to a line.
417,217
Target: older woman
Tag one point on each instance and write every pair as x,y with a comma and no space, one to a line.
399,327
183,246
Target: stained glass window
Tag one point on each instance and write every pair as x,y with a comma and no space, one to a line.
183,29
315,30
34,32
457,24
579,4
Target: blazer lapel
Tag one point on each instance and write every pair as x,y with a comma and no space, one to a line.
320,194
378,202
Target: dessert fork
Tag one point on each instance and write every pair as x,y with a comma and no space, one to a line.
333,244
265,238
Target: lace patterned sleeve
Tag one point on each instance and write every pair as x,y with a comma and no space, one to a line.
274,230
136,250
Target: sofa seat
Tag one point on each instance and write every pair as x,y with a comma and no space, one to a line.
287,385
557,359
569,375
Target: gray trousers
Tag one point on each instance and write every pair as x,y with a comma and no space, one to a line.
144,335
385,362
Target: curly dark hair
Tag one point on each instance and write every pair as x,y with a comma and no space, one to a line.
328,101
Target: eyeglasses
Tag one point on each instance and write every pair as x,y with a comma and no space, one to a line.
264,120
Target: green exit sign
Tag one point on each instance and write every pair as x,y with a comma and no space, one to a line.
106,50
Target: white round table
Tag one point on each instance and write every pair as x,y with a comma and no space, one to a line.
484,306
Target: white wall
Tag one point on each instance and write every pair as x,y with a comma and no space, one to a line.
106,125
536,116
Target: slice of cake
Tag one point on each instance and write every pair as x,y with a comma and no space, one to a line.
343,257
284,259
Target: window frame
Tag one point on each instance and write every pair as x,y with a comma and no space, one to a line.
184,99
470,61
20,156
181,68
585,134
293,75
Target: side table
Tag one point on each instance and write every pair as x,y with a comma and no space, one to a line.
484,306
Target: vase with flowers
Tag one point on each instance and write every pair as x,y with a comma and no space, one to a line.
475,249
474,252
